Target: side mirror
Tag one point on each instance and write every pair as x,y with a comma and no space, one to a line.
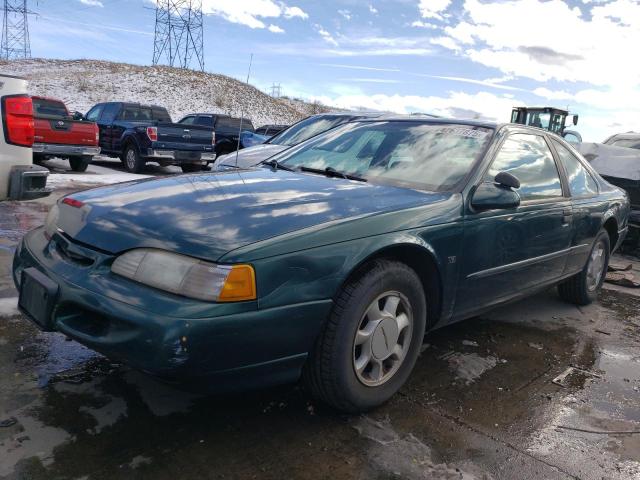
78,116
498,194
575,119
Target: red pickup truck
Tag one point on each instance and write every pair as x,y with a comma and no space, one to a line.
59,134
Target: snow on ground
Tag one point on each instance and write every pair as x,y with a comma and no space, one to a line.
83,83
8,307
61,177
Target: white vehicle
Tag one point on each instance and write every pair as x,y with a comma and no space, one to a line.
19,178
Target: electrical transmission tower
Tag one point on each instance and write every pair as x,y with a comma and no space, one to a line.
178,33
276,90
15,30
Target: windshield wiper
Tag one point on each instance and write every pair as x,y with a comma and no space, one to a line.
332,172
275,165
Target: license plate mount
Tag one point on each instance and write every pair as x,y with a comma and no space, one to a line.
38,294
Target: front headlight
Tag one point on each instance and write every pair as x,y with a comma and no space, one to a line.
187,276
51,222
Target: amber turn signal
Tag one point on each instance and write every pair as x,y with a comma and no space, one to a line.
240,285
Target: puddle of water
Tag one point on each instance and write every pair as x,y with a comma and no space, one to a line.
468,367
403,456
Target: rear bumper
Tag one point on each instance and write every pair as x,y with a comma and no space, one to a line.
65,150
179,156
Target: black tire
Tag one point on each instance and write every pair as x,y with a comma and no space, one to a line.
580,289
330,373
79,164
131,159
191,167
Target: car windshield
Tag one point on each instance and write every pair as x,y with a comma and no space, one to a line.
424,156
307,128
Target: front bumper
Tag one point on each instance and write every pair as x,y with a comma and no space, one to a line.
65,150
179,156
226,346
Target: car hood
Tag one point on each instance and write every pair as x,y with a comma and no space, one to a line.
208,215
251,156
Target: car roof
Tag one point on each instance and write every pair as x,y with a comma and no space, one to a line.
437,120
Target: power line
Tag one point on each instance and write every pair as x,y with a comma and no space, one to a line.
178,33
15,30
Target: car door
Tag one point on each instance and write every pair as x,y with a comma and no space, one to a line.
105,124
508,252
587,208
94,115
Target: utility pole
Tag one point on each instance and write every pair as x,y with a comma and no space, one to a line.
178,33
15,30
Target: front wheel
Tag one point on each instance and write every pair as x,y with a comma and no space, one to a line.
79,164
371,340
132,161
583,288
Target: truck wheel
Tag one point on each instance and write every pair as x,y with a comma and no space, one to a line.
79,164
132,161
371,340
191,167
583,288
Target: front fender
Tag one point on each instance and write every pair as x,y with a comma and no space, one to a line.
318,273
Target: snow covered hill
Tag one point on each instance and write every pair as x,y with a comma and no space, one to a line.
83,83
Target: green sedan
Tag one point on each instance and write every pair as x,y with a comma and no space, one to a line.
329,262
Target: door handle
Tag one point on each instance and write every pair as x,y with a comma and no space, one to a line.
567,214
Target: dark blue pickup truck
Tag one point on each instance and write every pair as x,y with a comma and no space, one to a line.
145,133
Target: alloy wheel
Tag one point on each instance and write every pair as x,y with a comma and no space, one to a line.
382,339
595,269
131,159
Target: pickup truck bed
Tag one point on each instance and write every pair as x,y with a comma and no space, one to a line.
57,134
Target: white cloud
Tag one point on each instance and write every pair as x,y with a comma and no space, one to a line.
446,42
433,8
293,12
92,3
346,14
275,29
421,24
250,12
481,105
373,9
585,48
326,36
553,94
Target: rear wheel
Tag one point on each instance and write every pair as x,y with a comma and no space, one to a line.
132,161
79,164
371,341
582,288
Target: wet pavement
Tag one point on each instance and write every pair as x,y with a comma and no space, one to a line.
480,404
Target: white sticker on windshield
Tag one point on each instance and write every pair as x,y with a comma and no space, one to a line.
465,132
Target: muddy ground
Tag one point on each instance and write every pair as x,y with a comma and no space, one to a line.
481,404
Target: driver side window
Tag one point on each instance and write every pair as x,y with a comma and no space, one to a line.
529,159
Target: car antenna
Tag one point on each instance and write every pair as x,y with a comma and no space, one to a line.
242,112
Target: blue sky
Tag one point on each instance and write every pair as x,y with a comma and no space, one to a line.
453,57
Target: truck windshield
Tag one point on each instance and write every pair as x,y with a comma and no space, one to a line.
307,128
423,156
42,106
